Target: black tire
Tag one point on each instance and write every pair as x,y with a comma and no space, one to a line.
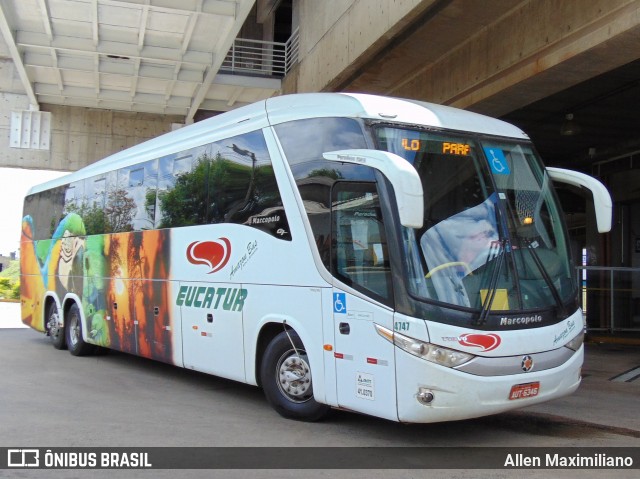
73,330
55,332
286,379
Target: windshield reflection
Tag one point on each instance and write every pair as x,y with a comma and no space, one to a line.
457,246
482,203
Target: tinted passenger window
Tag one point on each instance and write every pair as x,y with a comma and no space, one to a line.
45,210
230,181
86,200
132,203
243,188
73,197
182,189
303,142
92,208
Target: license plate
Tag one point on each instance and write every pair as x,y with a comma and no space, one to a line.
521,391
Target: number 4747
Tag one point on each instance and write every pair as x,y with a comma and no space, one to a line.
401,325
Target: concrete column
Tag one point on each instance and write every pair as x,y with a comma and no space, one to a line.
15,157
79,136
337,36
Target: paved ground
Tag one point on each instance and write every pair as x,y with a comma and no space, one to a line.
49,398
602,399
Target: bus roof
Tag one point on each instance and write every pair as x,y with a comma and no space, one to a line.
357,105
286,108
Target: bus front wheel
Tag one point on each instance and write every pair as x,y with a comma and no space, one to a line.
73,329
286,379
54,330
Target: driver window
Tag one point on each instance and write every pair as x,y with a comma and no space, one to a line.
360,255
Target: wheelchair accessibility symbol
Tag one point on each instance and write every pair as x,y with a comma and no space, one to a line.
497,161
340,303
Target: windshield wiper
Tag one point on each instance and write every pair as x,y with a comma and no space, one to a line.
547,279
497,250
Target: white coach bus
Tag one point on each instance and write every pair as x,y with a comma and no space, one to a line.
391,257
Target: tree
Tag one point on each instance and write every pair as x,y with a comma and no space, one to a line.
217,190
119,211
10,281
186,203
115,217
333,173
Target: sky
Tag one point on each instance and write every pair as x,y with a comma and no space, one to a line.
14,184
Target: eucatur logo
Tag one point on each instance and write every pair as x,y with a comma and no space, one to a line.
213,254
486,342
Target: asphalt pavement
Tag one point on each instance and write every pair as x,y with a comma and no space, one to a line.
609,395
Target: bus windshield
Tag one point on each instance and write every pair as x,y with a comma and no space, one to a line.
492,237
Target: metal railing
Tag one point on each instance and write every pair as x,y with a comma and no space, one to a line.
292,49
262,58
610,298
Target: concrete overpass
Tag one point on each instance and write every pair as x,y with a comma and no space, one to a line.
86,78
498,57
115,72
493,57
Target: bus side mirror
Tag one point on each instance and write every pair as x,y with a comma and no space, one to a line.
402,175
601,196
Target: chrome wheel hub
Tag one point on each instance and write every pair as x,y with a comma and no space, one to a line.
52,326
294,378
74,331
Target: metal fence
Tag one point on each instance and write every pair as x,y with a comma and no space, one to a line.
262,58
610,298
292,49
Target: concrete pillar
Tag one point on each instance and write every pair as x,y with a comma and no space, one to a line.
79,136
337,36
15,157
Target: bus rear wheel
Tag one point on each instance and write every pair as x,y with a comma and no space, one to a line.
73,329
54,330
285,376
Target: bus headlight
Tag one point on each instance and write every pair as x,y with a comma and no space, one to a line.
576,342
430,352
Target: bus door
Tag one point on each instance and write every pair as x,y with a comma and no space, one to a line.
212,338
364,361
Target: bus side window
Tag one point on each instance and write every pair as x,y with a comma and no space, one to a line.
73,197
53,212
45,209
182,189
360,253
31,204
243,187
231,178
133,201
303,142
93,210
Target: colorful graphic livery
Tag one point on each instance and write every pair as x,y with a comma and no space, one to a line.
105,272
391,257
